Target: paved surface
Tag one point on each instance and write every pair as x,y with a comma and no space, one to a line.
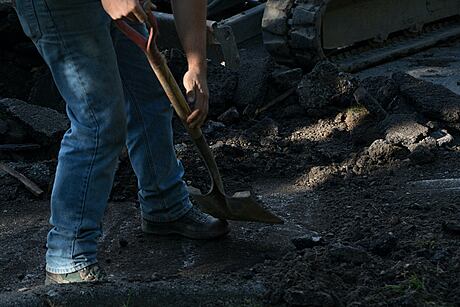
440,65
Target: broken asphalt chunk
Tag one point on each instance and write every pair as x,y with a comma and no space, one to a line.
230,116
432,100
365,99
47,125
403,129
324,85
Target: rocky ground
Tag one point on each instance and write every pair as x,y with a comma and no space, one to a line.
362,169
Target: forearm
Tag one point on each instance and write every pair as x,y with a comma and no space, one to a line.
190,18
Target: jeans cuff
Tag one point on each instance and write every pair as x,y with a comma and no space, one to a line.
170,217
69,269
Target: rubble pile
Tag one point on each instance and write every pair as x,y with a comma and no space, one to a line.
371,248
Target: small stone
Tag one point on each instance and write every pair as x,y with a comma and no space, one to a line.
354,117
212,126
217,145
443,137
230,116
52,293
340,117
308,240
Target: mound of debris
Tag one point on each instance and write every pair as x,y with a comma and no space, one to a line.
323,86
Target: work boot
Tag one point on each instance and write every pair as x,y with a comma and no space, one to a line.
92,273
193,225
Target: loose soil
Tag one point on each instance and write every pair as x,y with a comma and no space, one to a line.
408,258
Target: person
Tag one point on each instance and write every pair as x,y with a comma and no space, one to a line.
112,100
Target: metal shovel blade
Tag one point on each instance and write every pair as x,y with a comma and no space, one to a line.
242,206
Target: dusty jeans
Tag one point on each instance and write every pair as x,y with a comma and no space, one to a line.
112,99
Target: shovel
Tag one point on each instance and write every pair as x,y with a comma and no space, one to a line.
241,206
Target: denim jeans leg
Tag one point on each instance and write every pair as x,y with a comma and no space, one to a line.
76,44
162,192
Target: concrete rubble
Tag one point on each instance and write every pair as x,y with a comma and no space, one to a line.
44,124
434,101
324,85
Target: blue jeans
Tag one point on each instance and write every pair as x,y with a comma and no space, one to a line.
112,99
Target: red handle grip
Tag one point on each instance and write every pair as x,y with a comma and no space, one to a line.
146,44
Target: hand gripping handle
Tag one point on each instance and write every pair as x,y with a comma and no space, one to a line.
160,67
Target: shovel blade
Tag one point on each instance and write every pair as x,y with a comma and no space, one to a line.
240,207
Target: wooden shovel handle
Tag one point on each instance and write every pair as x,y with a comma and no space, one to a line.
161,69
172,90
